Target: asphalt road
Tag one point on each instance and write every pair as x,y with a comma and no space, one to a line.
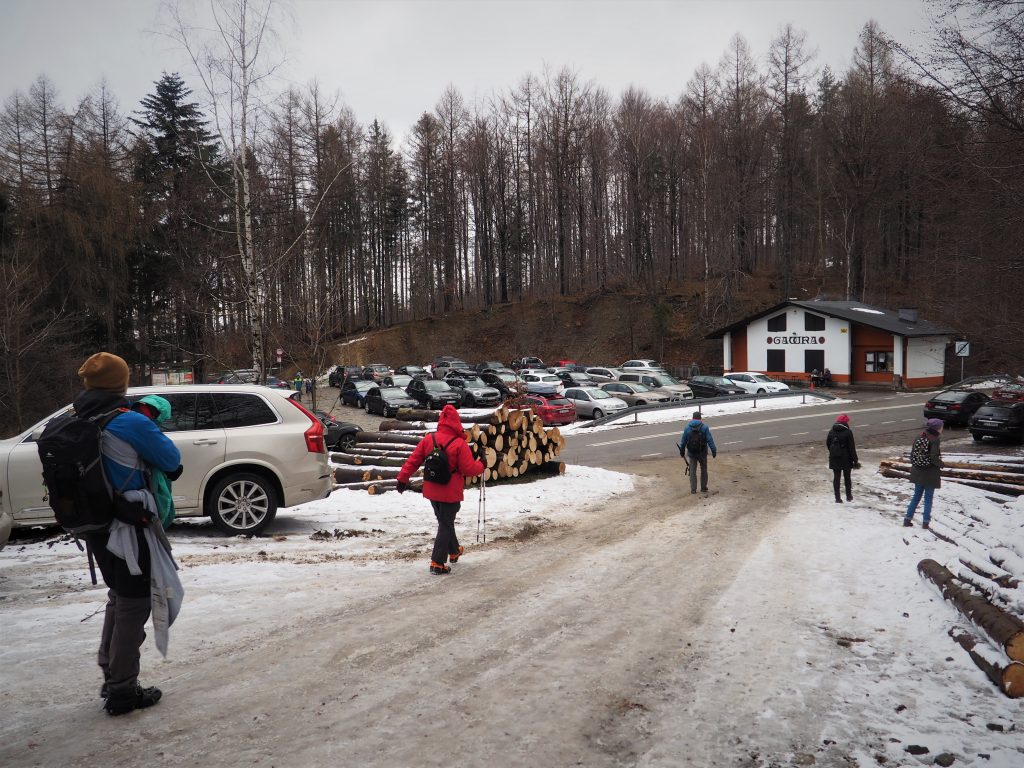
874,414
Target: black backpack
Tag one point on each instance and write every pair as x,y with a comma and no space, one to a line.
920,454
696,443
79,493
436,468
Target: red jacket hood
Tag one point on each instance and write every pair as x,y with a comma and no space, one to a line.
449,424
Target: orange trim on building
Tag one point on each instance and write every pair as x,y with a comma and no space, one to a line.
864,339
739,350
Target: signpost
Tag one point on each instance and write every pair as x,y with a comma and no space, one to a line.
962,350
279,353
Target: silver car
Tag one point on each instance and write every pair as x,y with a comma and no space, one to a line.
634,394
756,383
246,451
543,383
659,382
604,374
593,402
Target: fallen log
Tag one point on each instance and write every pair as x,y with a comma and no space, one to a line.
415,484
1005,629
359,461
396,425
364,474
552,468
1009,677
992,572
386,437
1005,490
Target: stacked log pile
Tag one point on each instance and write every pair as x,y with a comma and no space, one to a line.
510,443
1003,475
1006,631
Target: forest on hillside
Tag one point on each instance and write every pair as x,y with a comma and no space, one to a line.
214,222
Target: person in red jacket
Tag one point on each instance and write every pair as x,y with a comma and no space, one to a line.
445,498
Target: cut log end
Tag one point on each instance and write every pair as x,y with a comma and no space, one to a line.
1013,680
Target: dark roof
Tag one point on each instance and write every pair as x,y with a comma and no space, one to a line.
854,311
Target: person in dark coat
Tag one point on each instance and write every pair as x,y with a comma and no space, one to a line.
445,498
842,455
927,478
136,442
696,440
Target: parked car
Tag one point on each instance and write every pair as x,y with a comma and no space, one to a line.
475,393
387,400
713,386
400,380
442,368
998,418
413,371
505,381
342,373
354,391
276,383
954,406
543,383
756,383
1011,391
376,372
339,435
604,374
646,365
488,365
661,383
246,450
565,363
552,411
576,379
634,394
526,362
593,401
431,393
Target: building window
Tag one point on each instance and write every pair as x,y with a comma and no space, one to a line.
878,362
776,360
777,323
814,360
813,322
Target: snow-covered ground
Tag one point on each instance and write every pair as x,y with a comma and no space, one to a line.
830,599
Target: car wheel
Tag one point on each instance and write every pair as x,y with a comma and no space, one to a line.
640,402
597,413
242,504
470,401
760,392
977,437
366,405
346,442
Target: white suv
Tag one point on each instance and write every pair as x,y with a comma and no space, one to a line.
246,451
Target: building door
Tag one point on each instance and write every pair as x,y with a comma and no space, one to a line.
814,359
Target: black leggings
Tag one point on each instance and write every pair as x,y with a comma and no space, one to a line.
846,476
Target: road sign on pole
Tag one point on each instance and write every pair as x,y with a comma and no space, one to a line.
962,350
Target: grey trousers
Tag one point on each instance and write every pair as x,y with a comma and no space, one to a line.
121,641
702,460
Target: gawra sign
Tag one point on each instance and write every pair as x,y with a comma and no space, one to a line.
803,341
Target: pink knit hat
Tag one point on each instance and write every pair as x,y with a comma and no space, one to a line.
843,418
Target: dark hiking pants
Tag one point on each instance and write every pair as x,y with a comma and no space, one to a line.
702,460
446,542
846,477
124,620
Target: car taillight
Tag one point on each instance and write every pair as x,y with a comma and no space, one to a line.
314,436
929,404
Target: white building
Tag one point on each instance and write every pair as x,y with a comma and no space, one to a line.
857,343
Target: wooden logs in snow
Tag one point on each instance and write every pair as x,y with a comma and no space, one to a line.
378,437
1006,630
1007,480
1007,676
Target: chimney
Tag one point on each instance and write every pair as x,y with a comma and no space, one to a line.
908,314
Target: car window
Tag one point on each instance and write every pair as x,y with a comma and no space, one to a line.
949,397
598,394
641,388
992,410
762,378
558,401
392,392
436,386
183,412
374,392
239,409
573,394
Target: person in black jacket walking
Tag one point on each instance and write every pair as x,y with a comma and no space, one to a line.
842,455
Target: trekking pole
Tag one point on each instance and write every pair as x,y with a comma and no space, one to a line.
479,508
483,503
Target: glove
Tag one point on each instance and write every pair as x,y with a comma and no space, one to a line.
714,454
856,465
402,487
172,476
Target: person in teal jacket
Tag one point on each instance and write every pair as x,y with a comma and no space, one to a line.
696,441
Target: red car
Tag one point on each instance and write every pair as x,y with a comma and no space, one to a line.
1012,391
553,411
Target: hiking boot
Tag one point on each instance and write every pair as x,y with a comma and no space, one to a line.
907,523
455,558
140,698
924,525
439,569
838,500
849,497
693,492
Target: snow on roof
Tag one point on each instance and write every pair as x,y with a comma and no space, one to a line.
869,311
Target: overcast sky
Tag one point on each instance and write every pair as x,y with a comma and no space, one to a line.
392,59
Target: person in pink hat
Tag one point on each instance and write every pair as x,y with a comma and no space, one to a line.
842,455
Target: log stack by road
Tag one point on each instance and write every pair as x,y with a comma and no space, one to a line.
997,474
510,443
